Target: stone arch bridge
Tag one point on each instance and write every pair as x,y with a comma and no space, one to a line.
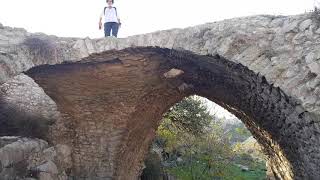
106,97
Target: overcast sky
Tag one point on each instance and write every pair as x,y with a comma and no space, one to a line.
79,18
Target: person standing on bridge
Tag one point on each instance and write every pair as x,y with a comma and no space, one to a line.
111,20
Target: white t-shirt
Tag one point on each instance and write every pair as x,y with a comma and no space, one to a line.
110,15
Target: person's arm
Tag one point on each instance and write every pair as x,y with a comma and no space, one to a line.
100,20
100,23
118,18
119,22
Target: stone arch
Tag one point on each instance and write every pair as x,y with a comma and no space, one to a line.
116,99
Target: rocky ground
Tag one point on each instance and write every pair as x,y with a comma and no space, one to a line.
25,158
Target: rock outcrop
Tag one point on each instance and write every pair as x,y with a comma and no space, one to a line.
23,158
109,94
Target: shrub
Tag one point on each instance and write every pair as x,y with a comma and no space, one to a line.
315,14
40,47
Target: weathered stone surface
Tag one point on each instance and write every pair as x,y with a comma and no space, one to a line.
173,73
7,140
14,157
111,102
305,24
23,93
16,152
25,157
48,171
314,67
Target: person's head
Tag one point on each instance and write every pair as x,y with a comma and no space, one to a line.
110,2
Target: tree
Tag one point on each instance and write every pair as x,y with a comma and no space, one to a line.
190,115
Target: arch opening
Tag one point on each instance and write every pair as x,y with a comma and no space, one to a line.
199,139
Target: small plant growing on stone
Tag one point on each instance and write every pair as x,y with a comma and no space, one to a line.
40,47
315,14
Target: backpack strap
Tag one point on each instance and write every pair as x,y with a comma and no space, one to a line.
116,11
104,11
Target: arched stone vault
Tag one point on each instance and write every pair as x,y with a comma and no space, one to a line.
108,101
115,96
115,100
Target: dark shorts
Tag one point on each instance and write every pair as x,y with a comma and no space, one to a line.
111,26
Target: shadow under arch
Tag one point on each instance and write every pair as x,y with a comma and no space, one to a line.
131,85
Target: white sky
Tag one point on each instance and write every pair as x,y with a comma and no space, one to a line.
79,18
219,111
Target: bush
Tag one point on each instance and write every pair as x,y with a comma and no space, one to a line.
190,115
315,14
40,48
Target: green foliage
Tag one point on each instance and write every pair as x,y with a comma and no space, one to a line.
224,171
249,148
257,172
237,133
196,146
190,115
204,158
